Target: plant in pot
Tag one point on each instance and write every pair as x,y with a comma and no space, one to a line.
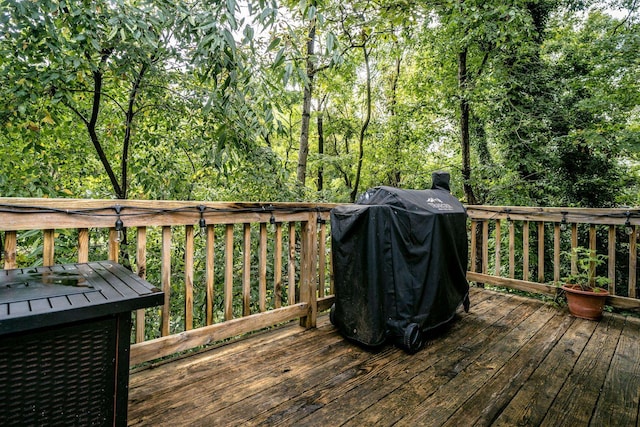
585,291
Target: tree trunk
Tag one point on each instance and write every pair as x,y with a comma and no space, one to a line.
127,129
395,174
91,129
320,150
365,124
464,128
306,104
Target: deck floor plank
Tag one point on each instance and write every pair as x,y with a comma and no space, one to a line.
238,373
482,407
532,402
343,384
434,366
575,402
619,401
443,358
509,361
435,411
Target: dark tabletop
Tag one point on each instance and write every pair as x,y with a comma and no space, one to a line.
37,297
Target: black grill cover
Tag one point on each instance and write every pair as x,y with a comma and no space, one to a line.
400,258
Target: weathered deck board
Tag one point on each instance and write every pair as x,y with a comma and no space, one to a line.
510,361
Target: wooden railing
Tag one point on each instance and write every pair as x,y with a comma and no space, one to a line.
248,265
528,248
232,268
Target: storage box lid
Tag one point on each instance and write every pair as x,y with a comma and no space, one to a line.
32,298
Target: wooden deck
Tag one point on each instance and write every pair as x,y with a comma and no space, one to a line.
509,361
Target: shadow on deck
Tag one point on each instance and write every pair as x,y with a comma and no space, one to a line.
509,361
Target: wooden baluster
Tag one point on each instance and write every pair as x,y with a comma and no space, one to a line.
309,256
525,250
556,252
165,257
277,266
262,268
612,259
331,278
541,252
228,273
246,269
633,260
512,250
498,244
485,247
141,262
83,245
291,289
210,272
188,277
574,244
114,245
10,249
322,259
474,229
592,249
48,247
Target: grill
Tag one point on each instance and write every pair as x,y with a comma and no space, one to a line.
64,343
400,262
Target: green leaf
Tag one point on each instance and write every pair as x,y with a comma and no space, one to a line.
229,39
274,43
112,33
279,59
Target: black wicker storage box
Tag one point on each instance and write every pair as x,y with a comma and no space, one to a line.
64,343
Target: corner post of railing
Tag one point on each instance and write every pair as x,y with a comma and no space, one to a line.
308,269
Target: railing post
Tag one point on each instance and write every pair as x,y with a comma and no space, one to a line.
308,270
322,257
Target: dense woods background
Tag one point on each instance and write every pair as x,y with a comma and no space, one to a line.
526,103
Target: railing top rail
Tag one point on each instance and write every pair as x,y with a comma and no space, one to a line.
21,213
604,216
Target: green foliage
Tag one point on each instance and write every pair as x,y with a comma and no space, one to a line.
141,78
195,100
587,261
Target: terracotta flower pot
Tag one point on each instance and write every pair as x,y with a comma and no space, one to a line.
585,304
